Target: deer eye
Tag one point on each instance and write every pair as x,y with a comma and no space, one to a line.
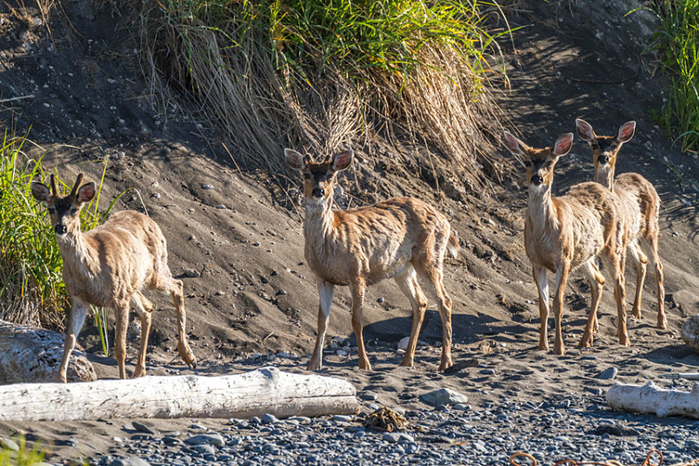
548,164
51,209
306,176
528,163
73,210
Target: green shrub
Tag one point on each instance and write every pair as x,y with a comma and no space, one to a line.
678,44
318,74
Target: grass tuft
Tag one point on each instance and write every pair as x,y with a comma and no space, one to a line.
320,74
678,43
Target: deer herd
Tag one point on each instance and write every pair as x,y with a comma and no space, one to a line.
399,238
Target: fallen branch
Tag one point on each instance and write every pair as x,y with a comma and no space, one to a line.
650,398
254,393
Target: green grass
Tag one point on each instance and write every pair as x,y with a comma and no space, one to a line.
321,74
678,44
31,287
23,456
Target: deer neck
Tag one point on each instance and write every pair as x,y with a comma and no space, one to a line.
77,254
540,210
605,177
319,224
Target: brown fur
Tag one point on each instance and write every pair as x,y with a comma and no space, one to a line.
568,232
398,238
109,266
640,204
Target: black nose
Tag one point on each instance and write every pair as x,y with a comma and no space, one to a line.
602,160
60,229
537,180
318,192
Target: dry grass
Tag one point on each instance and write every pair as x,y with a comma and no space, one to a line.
435,112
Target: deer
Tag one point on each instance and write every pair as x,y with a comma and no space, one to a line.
399,238
641,201
109,266
565,233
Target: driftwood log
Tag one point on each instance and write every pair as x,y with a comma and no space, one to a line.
651,399
266,390
29,354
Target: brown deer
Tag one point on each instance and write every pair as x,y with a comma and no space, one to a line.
640,199
398,238
109,266
568,232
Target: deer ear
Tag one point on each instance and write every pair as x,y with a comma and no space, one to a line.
294,159
515,146
626,132
342,160
585,130
40,192
86,193
563,145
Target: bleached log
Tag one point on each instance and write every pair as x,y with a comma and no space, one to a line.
33,355
266,390
651,399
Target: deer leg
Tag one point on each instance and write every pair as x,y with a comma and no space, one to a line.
120,326
357,288
176,289
561,280
639,260
651,248
614,265
407,282
596,281
542,286
325,291
144,308
78,312
444,304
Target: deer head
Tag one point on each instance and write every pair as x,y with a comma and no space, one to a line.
64,211
605,148
539,163
318,177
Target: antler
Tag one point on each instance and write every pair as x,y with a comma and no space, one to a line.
77,184
54,188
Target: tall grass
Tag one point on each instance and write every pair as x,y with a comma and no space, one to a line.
320,74
678,43
23,456
31,287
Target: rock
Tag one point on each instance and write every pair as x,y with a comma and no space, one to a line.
206,186
268,419
191,273
142,428
443,397
690,332
133,461
9,444
403,343
608,374
206,439
33,355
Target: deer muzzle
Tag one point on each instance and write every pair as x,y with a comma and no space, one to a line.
537,179
602,160
318,192
60,229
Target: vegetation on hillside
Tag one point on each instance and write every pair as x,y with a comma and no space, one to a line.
320,74
678,43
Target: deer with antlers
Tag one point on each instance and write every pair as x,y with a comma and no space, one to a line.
109,266
640,201
399,238
565,233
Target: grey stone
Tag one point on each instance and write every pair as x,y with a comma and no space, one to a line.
608,374
133,461
206,439
268,419
443,397
9,444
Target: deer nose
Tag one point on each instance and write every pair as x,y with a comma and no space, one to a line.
537,180
60,229
318,192
602,160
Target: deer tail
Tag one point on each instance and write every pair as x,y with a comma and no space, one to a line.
454,247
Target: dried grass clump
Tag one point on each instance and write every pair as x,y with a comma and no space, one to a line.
319,75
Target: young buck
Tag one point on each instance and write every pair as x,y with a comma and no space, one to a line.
109,266
398,238
568,232
639,199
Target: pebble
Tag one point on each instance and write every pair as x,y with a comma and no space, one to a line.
191,273
608,374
